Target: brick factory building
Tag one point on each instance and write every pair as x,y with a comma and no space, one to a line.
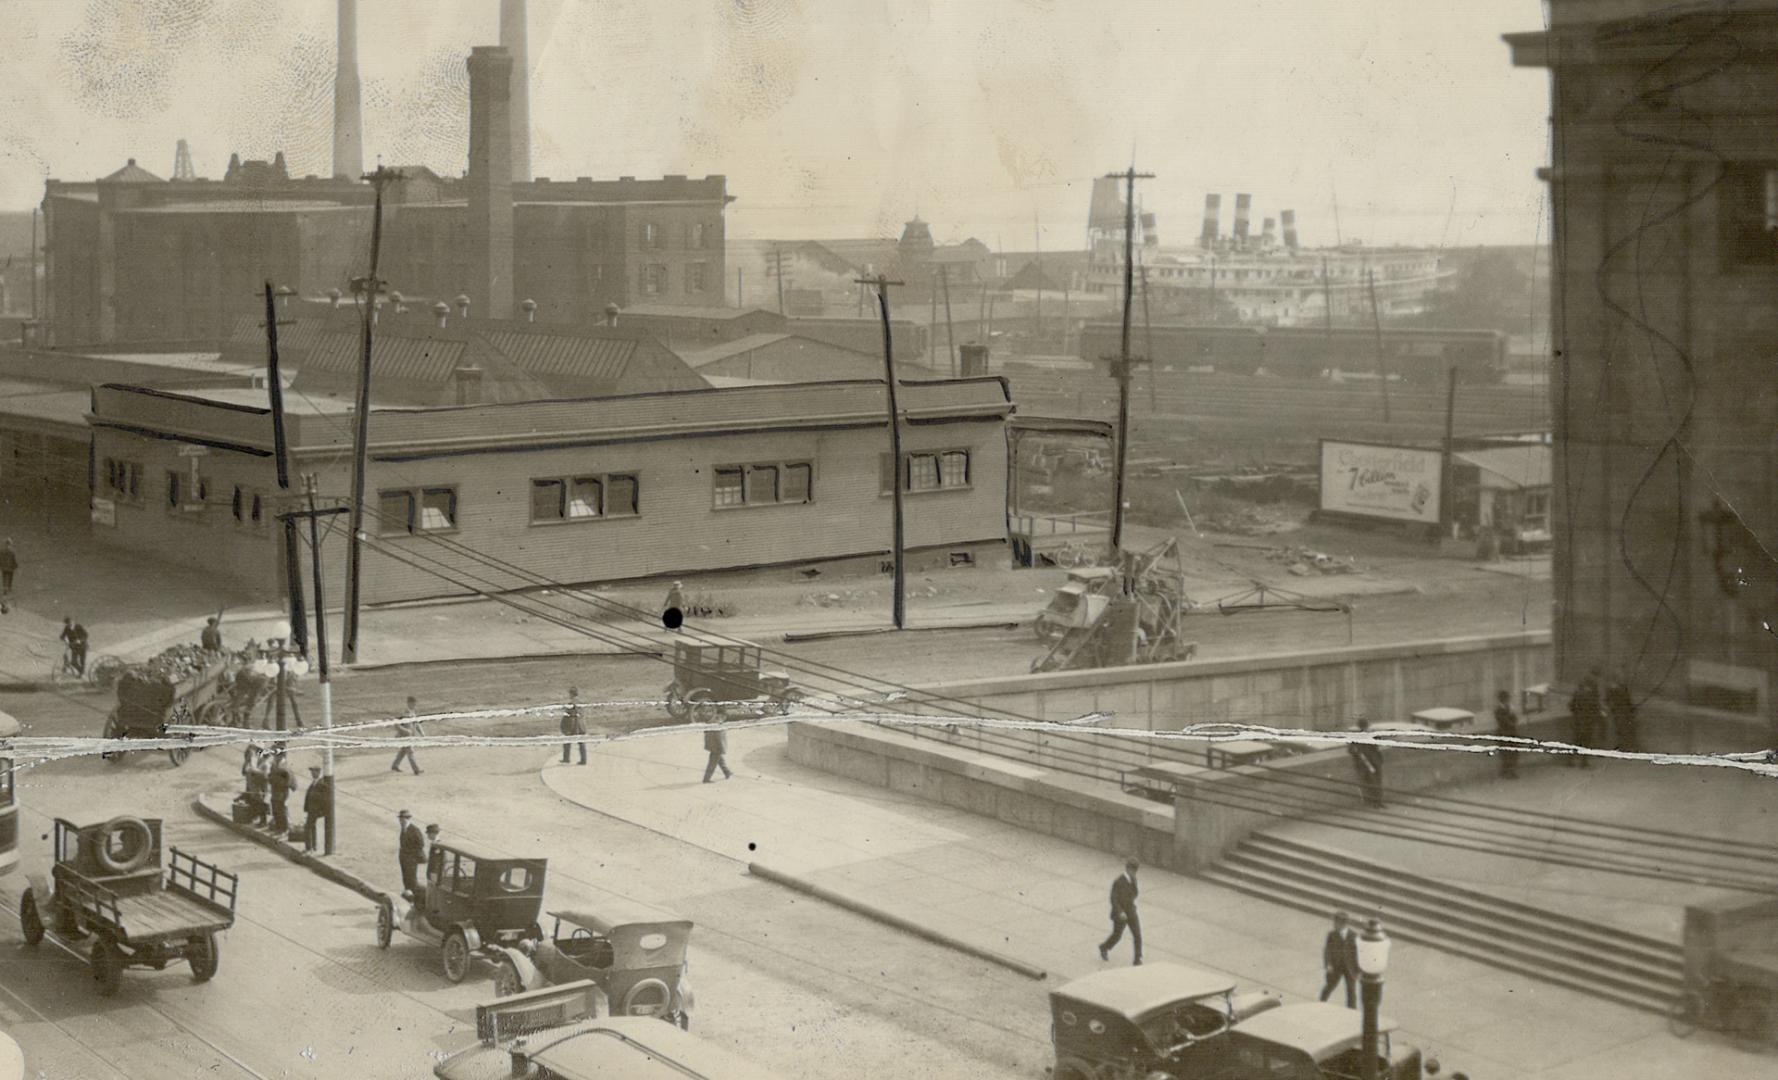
593,490
1665,193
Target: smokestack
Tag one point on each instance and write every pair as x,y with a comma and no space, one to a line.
512,39
610,314
442,312
348,123
1287,218
1212,221
1243,205
1267,235
490,178
529,307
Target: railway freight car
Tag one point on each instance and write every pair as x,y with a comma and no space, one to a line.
1411,355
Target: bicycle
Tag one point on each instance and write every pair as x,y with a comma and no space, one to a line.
1747,1013
64,670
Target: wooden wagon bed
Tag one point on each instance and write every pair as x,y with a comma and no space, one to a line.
168,914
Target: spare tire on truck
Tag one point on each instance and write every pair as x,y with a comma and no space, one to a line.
135,839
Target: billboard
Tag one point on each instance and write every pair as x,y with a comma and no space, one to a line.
1400,483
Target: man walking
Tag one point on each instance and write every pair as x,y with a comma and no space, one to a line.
77,642
716,743
1123,913
673,610
411,855
409,728
281,783
1622,710
315,802
1506,725
9,565
1367,758
573,724
1339,959
1584,717
211,639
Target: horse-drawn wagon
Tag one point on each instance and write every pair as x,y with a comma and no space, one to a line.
184,685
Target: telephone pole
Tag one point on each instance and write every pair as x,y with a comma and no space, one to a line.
778,272
274,388
314,516
898,468
1370,277
1122,362
370,287
1447,498
944,279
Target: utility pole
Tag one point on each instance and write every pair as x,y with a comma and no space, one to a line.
315,515
274,388
898,468
944,279
778,272
1447,500
1037,241
371,287
740,292
38,339
1327,297
1148,346
932,326
1121,363
1370,277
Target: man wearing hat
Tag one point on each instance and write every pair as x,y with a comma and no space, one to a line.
315,802
1339,958
211,638
673,611
573,724
411,855
1123,912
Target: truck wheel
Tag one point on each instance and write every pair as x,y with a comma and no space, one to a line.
30,922
107,967
456,956
385,922
206,957
650,997
507,981
137,842
178,754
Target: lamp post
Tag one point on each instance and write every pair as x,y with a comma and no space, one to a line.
282,665
1373,959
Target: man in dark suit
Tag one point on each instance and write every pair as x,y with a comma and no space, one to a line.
411,855
1339,959
1506,725
1621,707
1123,912
1367,758
281,783
315,802
1584,716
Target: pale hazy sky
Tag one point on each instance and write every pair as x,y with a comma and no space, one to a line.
842,117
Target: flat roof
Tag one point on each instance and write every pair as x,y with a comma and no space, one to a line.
246,206
1525,466
667,311
46,403
1137,991
1317,1028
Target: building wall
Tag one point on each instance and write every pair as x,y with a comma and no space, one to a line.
1665,306
678,528
804,360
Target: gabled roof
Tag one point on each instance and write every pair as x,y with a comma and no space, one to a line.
1521,466
699,358
132,173
665,311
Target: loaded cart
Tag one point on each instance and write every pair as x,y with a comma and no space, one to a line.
183,685
109,899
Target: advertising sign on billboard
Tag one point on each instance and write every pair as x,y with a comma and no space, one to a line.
1400,483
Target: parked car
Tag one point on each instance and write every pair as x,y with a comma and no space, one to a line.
1312,1041
477,904
556,1034
1077,603
637,960
1151,1021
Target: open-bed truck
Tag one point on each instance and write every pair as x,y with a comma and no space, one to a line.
110,901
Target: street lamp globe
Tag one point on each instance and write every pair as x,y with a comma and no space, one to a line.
1373,948
297,667
281,630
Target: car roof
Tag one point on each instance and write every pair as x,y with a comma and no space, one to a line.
655,1048
1316,1028
9,725
626,915
1136,991
485,856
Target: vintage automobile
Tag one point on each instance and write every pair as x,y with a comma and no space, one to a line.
1077,603
109,897
477,904
712,679
1310,1041
637,959
556,1034
1145,1021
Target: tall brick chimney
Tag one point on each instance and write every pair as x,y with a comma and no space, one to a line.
512,39
1243,207
490,179
1268,233
1287,221
348,121
1212,221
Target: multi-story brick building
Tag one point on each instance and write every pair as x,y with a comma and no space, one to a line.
594,490
1665,193
132,257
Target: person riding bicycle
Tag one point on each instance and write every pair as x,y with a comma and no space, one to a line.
74,640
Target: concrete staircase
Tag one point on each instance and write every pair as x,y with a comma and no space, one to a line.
1615,965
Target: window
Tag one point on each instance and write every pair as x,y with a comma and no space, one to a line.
432,509
700,235
696,277
395,512
772,483
235,504
173,480
651,235
927,470
257,510
123,479
6,793
654,279
582,497
516,879
438,509
1749,215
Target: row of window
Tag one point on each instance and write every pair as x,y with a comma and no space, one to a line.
406,511
698,235
653,278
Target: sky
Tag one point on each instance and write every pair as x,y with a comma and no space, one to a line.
1390,121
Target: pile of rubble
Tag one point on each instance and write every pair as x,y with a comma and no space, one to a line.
1251,520
852,598
170,666
1303,562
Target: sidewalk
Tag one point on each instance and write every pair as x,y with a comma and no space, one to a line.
1043,901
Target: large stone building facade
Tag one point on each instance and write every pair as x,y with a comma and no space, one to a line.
1665,193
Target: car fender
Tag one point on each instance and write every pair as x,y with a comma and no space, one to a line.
469,935
37,887
524,965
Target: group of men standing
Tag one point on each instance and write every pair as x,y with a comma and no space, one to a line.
269,782
1601,716
416,849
